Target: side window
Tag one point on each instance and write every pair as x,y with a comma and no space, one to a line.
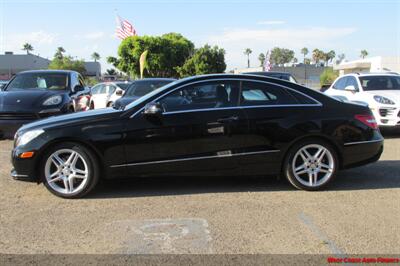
81,81
202,96
111,89
74,80
340,84
352,81
257,93
96,89
103,89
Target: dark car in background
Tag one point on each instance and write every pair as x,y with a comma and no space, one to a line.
139,88
32,95
274,74
212,125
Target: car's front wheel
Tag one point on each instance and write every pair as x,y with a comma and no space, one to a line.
70,170
311,165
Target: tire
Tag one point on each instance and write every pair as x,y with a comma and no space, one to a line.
110,104
301,169
91,106
60,171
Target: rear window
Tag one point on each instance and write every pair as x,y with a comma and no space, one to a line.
373,83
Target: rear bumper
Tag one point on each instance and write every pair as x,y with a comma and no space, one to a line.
362,152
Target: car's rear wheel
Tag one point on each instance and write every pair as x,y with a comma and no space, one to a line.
70,170
110,104
91,106
311,165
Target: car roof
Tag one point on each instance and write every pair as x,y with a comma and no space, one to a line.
48,71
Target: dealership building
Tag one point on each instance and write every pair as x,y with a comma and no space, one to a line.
11,64
370,64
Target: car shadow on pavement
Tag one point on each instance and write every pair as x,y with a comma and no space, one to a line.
379,175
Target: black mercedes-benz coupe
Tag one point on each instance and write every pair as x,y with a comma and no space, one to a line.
210,125
32,95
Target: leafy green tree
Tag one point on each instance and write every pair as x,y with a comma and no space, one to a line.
166,53
27,47
95,56
304,52
247,52
281,56
363,54
59,53
307,61
205,60
261,58
328,76
66,62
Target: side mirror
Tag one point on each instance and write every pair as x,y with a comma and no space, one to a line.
153,109
78,88
119,92
350,88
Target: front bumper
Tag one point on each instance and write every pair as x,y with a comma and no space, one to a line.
387,116
10,123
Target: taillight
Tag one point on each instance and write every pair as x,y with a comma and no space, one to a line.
368,120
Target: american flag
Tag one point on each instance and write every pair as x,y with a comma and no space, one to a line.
267,62
124,28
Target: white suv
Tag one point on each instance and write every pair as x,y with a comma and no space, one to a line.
380,91
105,94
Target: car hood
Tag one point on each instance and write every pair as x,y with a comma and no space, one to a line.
73,118
24,100
393,95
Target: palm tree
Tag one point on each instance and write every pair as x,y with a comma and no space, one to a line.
331,55
261,58
364,53
95,56
59,53
340,58
316,55
247,52
27,47
304,52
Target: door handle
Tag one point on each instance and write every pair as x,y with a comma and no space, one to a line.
228,119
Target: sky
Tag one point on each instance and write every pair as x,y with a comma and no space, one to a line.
84,26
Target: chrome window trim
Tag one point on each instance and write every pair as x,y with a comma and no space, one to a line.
363,142
317,103
195,158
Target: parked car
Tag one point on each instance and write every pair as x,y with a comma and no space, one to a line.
3,83
32,95
209,125
381,92
274,74
105,94
139,88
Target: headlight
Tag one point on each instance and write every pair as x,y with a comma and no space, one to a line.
384,100
53,100
28,136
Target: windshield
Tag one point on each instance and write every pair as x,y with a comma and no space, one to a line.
39,81
151,94
124,85
374,83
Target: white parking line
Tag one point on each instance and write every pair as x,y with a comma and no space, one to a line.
320,234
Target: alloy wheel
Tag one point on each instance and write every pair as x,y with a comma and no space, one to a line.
313,165
66,171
